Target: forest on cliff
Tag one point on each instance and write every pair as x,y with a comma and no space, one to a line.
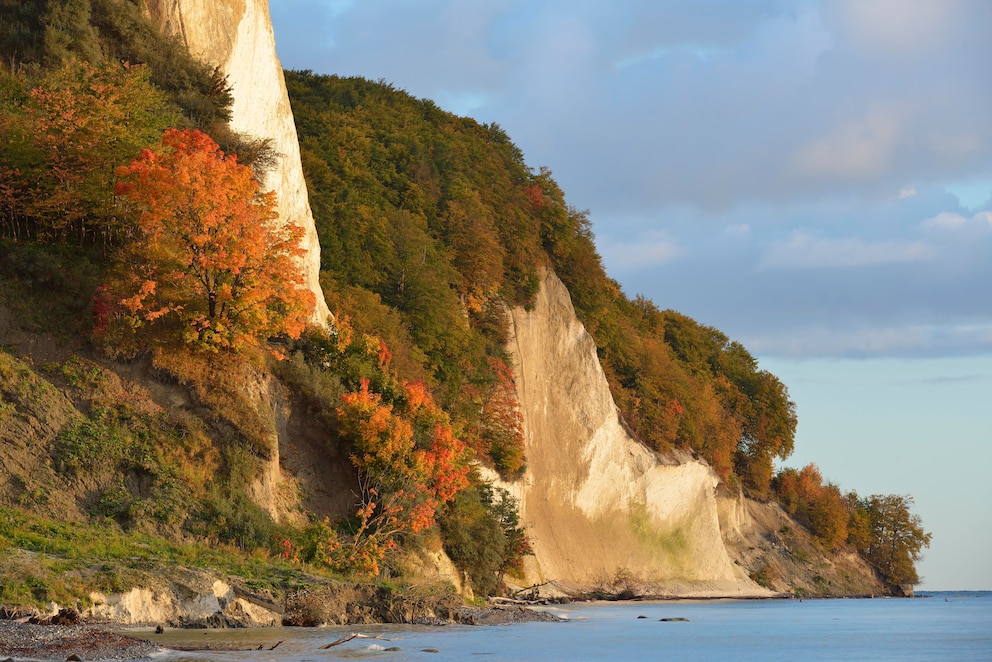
431,226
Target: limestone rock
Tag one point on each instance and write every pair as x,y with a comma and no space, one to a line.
184,597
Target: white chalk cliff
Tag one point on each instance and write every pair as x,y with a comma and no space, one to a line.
600,508
597,505
237,36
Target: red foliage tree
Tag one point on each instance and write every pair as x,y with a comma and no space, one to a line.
409,464
502,424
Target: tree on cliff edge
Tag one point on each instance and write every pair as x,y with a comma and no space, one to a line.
887,534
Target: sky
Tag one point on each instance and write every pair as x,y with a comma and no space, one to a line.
812,178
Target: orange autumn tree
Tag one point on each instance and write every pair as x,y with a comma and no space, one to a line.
211,261
409,464
62,142
818,506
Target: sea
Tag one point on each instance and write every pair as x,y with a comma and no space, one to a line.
939,626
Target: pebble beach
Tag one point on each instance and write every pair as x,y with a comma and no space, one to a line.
62,642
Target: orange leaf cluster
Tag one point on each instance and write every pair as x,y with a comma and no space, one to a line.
502,425
61,148
820,507
409,463
212,255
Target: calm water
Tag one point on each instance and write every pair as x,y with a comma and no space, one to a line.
942,626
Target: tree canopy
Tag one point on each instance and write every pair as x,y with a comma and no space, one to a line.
211,256
438,220
889,535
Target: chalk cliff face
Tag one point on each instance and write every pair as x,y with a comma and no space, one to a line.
600,508
237,36
182,597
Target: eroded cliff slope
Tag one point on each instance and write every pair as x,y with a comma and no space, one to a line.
600,508
237,36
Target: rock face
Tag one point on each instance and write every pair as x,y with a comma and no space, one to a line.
183,597
237,36
602,511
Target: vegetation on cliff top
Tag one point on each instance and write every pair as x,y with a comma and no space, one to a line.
438,221
430,226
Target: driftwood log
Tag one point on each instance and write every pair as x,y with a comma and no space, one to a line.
349,637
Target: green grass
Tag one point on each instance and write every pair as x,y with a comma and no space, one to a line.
42,560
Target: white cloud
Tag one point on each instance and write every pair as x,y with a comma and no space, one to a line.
737,230
858,148
906,340
946,220
805,251
907,192
897,26
951,221
831,341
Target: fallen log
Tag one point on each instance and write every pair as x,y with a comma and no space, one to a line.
349,637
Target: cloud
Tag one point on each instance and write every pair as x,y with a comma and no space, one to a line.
651,249
956,379
813,175
862,342
856,279
710,103
863,147
897,26
953,221
737,230
805,251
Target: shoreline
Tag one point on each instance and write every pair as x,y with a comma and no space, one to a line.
100,641
62,642
606,597
110,641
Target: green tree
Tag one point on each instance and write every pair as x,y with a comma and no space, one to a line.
62,148
889,536
68,31
21,32
483,536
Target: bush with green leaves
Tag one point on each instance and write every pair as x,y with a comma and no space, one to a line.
483,537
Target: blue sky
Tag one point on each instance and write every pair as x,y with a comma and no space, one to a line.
812,178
